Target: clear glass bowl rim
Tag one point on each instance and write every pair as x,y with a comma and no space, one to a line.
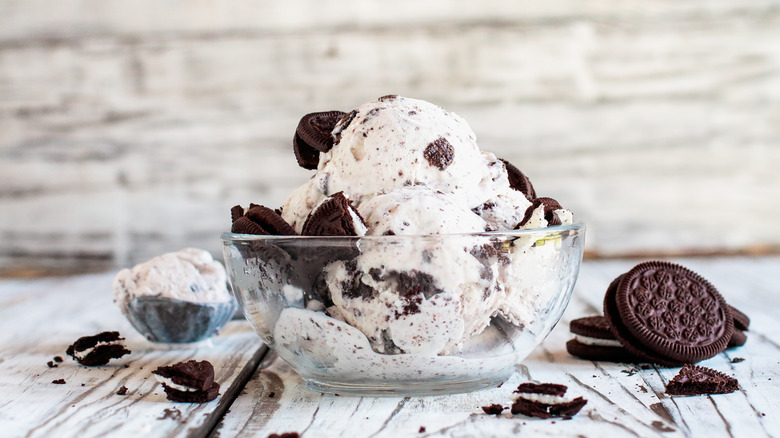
551,230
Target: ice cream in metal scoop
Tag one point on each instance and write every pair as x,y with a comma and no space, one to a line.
178,297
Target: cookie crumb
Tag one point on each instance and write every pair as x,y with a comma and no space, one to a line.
122,390
58,359
494,409
51,364
284,435
58,382
422,429
271,394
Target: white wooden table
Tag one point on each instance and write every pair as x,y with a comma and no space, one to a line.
262,395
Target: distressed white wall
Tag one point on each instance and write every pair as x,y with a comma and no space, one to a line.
129,128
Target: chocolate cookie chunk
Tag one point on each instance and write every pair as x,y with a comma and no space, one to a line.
518,181
313,136
550,205
494,409
545,400
98,349
696,380
259,220
190,381
306,156
439,153
334,217
343,124
667,314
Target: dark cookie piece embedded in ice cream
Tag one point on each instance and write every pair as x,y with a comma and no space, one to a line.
191,381
354,287
415,282
545,400
518,181
550,205
98,349
244,225
236,212
334,217
313,136
315,129
697,380
259,219
439,153
641,311
343,124
306,156
270,220
388,97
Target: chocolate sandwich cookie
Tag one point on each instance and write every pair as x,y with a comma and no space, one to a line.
664,313
545,400
593,340
190,382
259,219
518,181
336,216
741,321
697,380
98,349
550,205
313,136
738,338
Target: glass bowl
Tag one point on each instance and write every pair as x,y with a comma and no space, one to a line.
405,315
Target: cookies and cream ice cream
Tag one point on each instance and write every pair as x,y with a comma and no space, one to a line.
188,275
395,143
405,167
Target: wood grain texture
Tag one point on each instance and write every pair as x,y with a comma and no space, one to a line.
623,400
40,318
127,131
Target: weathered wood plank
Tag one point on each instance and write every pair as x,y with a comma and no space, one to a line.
72,19
656,123
622,400
40,318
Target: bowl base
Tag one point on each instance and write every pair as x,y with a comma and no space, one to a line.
403,389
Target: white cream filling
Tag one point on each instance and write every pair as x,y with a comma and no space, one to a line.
587,340
360,227
169,383
80,355
547,399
